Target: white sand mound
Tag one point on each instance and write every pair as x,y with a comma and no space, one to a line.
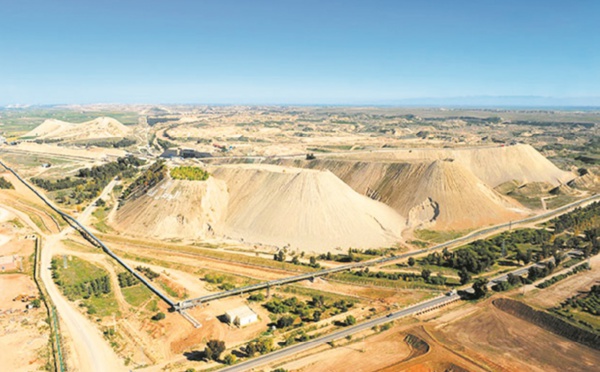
435,194
103,127
175,209
493,165
306,209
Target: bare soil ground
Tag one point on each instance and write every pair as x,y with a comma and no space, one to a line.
503,342
385,351
24,334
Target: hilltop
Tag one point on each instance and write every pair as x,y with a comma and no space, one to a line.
439,194
99,128
264,204
494,165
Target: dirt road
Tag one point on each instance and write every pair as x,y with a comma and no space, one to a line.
92,352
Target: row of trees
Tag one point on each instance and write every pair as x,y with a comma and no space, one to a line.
482,254
95,287
125,142
4,184
425,276
149,178
126,279
579,219
149,273
89,182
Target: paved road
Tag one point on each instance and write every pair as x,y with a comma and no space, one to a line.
474,235
291,350
414,309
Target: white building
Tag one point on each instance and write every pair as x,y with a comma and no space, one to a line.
241,316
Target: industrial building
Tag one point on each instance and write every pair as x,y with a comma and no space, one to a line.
241,316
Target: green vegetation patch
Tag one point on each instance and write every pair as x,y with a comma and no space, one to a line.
5,184
439,236
137,295
189,173
583,308
81,280
88,183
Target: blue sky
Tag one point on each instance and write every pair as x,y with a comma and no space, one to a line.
301,51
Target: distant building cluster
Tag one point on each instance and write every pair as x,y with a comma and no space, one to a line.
185,153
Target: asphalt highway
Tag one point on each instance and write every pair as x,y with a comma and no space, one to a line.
291,350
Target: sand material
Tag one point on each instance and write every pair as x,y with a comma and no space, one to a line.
493,165
440,194
102,127
300,208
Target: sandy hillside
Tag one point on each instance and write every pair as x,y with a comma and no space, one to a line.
307,209
493,165
175,209
440,194
102,127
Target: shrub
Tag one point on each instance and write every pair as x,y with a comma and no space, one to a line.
256,297
230,359
158,316
350,320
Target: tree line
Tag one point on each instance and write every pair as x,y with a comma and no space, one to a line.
89,182
148,179
5,184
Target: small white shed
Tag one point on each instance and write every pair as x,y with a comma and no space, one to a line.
241,316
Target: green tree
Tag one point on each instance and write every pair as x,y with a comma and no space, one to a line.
411,261
158,316
214,349
285,321
513,279
480,287
279,256
464,276
426,274
350,320
230,359
316,315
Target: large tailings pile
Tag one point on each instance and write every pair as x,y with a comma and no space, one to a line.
440,194
304,208
493,165
98,128
175,209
